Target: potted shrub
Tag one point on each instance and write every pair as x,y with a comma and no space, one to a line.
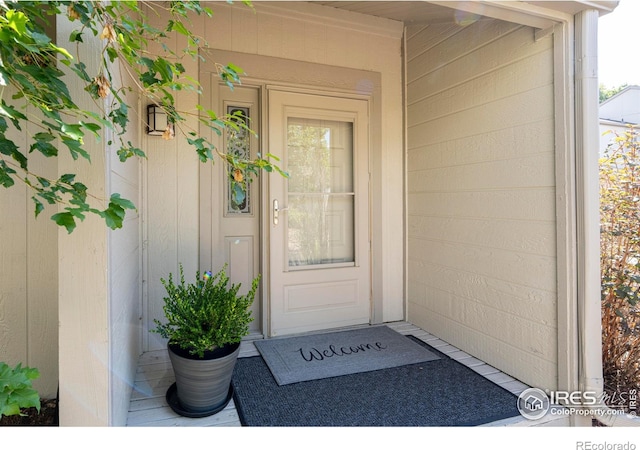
206,320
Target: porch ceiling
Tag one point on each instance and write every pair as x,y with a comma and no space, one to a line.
428,12
402,11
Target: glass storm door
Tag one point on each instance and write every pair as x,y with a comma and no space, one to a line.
319,231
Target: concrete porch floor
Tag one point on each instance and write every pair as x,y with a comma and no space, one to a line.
148,407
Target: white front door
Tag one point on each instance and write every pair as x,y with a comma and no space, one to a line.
319,250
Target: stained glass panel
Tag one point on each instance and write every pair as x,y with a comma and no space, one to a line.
238,143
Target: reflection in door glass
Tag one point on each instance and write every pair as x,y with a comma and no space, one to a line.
238,144
320,192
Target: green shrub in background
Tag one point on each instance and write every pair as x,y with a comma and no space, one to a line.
620,262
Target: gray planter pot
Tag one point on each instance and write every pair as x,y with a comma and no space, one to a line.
203,385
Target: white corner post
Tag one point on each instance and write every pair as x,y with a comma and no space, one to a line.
83,311
588,218
588,202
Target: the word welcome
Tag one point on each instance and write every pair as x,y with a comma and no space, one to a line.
319,355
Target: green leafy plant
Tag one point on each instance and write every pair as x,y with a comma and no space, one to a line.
620,261
36,73
16,391
206,314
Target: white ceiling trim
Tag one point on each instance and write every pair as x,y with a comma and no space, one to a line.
331,16
511,11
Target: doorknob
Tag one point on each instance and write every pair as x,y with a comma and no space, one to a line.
276,211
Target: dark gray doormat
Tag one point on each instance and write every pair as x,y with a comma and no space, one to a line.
324,355
438,393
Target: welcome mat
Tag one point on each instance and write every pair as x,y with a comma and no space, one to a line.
317,356
439,393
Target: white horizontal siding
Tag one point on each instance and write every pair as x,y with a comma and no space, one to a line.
481,194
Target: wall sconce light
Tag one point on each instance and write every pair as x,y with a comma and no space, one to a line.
156,120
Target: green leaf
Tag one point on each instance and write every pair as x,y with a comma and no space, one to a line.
16,390
120,116
9,148
147,62
148,79
44,146
14,115
73,131
164,68
76,36
125,153
80,69
17,20
92,127
112,218
122,202
75,148
5,175
40,39
115,213
65,219
67,178
235,68
39,207
26,398
179,27
8,408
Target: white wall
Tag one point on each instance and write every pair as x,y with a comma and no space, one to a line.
171,203
124,272
90,310
29,276
481,208
99,281
303,32
83,281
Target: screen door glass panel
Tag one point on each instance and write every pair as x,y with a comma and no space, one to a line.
320,192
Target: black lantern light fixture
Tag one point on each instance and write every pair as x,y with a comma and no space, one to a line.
156,120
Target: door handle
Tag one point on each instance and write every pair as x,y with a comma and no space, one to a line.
276,211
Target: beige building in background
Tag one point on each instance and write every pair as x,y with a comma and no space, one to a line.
617,113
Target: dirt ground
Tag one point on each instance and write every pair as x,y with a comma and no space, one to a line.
48,416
